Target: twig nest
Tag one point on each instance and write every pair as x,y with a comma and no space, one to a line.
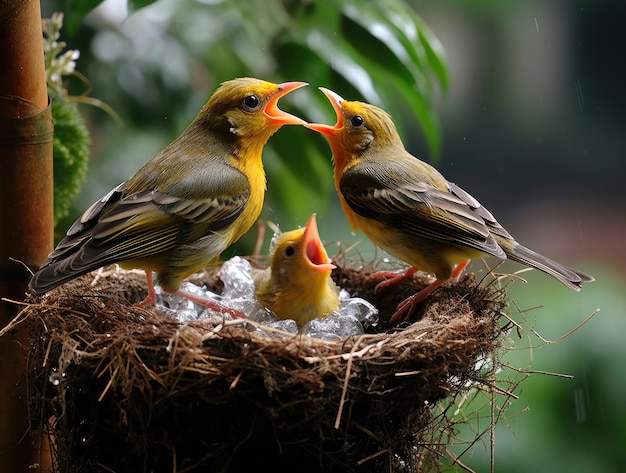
124,388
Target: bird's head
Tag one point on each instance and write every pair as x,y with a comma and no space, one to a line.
248,107
359,127
299,255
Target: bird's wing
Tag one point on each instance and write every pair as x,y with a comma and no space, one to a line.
489,220
397,195
123,226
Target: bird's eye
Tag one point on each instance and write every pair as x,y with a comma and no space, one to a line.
251,101
357,121
289,251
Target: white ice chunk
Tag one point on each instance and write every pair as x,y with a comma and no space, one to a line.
236,274
287,325
333,327
352,317
360,309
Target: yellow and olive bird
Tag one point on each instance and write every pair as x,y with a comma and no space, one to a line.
407,208
297,283
185,205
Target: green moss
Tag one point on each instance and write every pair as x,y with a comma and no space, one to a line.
71,153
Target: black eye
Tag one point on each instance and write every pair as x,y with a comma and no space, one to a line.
251,101
356,121
289,251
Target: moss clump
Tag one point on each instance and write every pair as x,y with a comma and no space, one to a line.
71,152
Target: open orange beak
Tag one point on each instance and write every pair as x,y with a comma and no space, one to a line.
274,114
335,100
314,249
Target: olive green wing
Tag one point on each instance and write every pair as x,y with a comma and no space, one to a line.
399,195
125,226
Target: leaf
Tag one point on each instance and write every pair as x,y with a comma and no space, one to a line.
134,5
397,25
76,10
293,191
435,55
381,50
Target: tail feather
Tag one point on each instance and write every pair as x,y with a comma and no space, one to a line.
53,275
57,271
572,278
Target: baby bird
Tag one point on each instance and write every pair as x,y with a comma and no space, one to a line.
406,207
188,203
297,283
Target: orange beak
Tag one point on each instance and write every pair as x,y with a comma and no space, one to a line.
335,100
314,249
274,114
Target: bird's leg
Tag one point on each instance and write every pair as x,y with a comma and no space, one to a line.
213,305
406,308
460,268
390,277
151,297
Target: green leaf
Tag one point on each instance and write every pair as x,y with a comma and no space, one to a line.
134,5
435,55
292,194
380,52
76,10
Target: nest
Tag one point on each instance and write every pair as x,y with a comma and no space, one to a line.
124,388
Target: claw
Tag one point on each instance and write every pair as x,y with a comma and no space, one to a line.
406,308
391,277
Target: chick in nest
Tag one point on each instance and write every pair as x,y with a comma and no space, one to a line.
297,283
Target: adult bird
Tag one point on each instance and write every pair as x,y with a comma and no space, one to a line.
407,208
185,205
297,283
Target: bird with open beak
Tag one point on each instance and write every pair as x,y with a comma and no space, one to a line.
188,203
407,208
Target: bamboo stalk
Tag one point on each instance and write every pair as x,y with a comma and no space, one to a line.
26,214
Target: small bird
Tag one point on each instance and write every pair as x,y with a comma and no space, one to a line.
297,283
188,203
407,208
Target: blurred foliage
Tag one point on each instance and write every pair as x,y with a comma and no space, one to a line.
71,138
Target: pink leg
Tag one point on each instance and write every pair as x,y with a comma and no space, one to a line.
151,297
213,305
406,308
391,277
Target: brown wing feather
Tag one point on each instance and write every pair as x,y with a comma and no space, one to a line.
392,192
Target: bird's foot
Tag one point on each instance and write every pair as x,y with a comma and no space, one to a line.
148,301
406,308
390,277
151,298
